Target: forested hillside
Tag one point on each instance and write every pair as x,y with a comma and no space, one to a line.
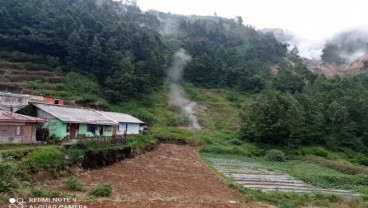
225,52
122,53
121,47
114,43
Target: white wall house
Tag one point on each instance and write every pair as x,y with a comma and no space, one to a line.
127,123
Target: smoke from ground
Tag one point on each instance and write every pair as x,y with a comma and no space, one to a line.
177,95
344,46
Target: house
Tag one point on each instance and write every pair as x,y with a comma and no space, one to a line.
127,123
13,102
17,128
69,121
52,100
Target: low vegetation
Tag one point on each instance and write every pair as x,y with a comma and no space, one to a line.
275,155
48,157
10,176
100,190
74,184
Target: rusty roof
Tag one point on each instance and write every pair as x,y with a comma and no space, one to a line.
7,116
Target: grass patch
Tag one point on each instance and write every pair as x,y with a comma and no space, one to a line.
42,192
11,175
46,158
100,190
74,184
345,167
275,155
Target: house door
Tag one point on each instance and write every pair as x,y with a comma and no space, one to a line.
101,131
72,131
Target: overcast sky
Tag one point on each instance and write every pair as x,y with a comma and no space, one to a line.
311,19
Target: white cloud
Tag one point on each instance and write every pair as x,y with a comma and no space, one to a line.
312,20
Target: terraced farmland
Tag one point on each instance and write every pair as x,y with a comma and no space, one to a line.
257,176
28,77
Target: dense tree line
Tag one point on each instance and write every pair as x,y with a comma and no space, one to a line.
114,42
227,53
302,108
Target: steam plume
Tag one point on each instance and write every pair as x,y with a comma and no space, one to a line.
177,94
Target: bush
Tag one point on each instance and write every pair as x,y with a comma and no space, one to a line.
40,192
46,157
74,184
101,190
75,154
225,150
236,142
9,176
275,155
320,152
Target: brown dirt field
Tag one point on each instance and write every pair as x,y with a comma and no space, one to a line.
169,176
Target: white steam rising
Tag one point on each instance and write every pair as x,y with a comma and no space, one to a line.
350,44
177,95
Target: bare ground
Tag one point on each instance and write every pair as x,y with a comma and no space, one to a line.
169,176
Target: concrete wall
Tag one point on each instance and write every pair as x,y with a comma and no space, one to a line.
8,133
59,129
83,130
56,128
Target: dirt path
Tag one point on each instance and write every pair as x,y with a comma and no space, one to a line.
169,176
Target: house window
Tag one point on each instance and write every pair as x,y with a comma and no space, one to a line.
107,128
18,131
91,128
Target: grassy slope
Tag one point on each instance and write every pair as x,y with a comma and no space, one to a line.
218,113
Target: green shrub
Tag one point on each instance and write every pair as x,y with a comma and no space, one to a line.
16,154
74,184
46,157
363,160
318,151
9,176
225,150
75,153
275,155
236,141
101,190
41,192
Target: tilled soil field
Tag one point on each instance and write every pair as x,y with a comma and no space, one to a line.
169,176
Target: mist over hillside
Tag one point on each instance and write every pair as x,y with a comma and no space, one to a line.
342,48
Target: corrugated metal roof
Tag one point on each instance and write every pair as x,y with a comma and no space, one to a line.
71,114
121,117
6,116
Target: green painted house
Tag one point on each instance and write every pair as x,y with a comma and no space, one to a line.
69,121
